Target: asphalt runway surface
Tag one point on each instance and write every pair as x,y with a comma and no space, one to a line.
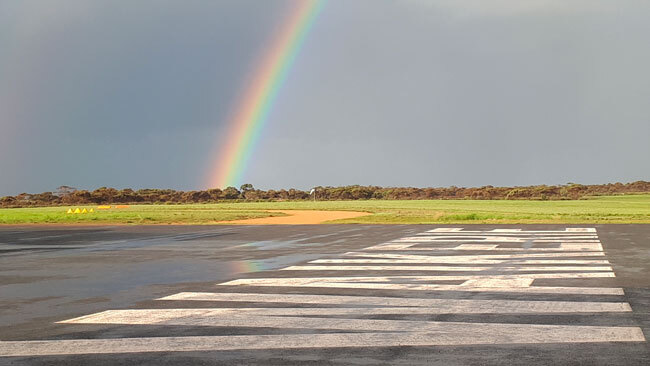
325,295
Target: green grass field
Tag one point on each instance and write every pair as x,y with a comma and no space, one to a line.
613,209
135,214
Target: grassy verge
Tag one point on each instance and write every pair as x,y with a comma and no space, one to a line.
135,214
612,209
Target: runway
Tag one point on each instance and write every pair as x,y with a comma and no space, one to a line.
326,294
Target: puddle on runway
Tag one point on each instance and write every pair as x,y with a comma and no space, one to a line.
121,283
61,283
258,265
300,241
109,279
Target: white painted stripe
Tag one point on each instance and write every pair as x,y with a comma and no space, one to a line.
455,288
475,247
509,233
214,316
456,238
434,306
389,246
503,256
250,281
506,231
506,236
512,233
565,231
461,335
448,260
462,288
492,239
445,229
445,268
563,247
479,281
484,234
207,318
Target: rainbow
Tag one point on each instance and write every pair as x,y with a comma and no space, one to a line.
255,106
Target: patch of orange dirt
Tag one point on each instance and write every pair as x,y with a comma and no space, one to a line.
299,217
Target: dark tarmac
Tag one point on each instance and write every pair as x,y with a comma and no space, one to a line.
50,274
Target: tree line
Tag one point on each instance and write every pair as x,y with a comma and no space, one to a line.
66,195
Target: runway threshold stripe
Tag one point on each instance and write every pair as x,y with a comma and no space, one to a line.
215,316
450,260
493,239
580,249
563,234
567,230
523,234
409,287
520,283
605,291
421,278
340,324
503,238
432,305
445,268
479,334
504,256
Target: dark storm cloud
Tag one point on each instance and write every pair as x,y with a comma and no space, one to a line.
425,93
458,93
118,92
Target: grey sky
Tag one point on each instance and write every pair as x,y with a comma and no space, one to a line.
413,92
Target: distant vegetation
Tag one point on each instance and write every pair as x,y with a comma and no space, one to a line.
70,196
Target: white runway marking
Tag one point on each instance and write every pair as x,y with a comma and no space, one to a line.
460,261
461,288
433,306
563,247
571,254
467,330
595,248
521,233
223,316
448,268
445,336
504,256
492,239
485,284
532,276
565,231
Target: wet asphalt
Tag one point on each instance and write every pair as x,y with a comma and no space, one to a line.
52,273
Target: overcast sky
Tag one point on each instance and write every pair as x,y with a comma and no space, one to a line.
393,93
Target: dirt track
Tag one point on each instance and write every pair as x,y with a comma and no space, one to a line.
300,217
